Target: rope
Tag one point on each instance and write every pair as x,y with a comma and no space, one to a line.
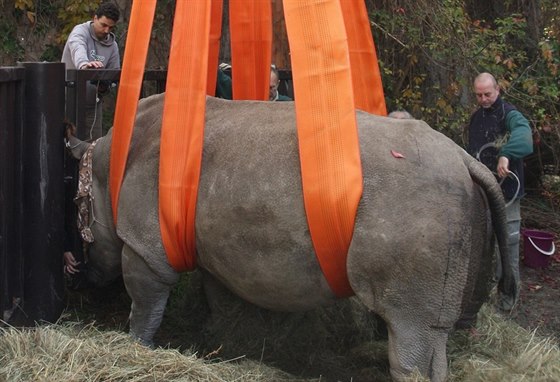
511,174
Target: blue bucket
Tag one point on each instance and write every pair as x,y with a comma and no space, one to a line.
538,248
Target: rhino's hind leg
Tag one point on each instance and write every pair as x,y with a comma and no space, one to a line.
148,293
413,347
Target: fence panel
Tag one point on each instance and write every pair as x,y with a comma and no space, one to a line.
11,130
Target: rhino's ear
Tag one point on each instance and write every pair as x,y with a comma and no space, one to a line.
76,147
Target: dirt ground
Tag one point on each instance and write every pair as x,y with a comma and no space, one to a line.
539,303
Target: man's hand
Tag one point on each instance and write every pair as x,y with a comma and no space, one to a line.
503,167
71,265
92,65
69,130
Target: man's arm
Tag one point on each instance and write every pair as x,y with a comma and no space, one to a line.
77,43
519,144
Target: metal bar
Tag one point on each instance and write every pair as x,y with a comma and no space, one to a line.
77,82
43,192
11,127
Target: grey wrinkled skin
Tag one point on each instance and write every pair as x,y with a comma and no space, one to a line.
422,242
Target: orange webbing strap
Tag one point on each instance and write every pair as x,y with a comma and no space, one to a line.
182,131
137,42
327,132
368,89
214,49
250,24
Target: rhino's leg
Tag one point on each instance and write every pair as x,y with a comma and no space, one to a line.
411,346
149,295
217,295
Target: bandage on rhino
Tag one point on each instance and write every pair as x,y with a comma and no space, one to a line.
419,257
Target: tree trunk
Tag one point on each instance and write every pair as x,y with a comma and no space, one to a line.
280,45
532,11
225,48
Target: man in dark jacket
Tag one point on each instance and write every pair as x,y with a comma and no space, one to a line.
500,137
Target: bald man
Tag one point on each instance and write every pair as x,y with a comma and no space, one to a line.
400,114
500,137
273,93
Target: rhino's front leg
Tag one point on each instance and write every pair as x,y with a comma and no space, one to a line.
149,295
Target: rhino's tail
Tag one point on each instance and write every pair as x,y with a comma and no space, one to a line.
508,284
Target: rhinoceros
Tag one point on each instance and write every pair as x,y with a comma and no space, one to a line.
421,249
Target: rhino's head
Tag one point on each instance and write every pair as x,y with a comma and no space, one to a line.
104,262
76,147
94,209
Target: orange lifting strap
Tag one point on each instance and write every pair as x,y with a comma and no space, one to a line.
134,62
182,131
328,137
323,68
250,23
366,78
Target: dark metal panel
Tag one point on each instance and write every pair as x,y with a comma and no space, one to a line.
32,180
43,192
11,128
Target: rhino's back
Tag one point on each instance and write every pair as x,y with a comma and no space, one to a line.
251,226
250,221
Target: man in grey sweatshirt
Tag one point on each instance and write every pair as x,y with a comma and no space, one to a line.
92,45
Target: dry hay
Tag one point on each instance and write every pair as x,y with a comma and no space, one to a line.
316,343
66,352
501,350
327,342
498,350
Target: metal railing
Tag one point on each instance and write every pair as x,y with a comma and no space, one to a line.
76,90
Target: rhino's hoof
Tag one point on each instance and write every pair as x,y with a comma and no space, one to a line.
506,303
466,322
